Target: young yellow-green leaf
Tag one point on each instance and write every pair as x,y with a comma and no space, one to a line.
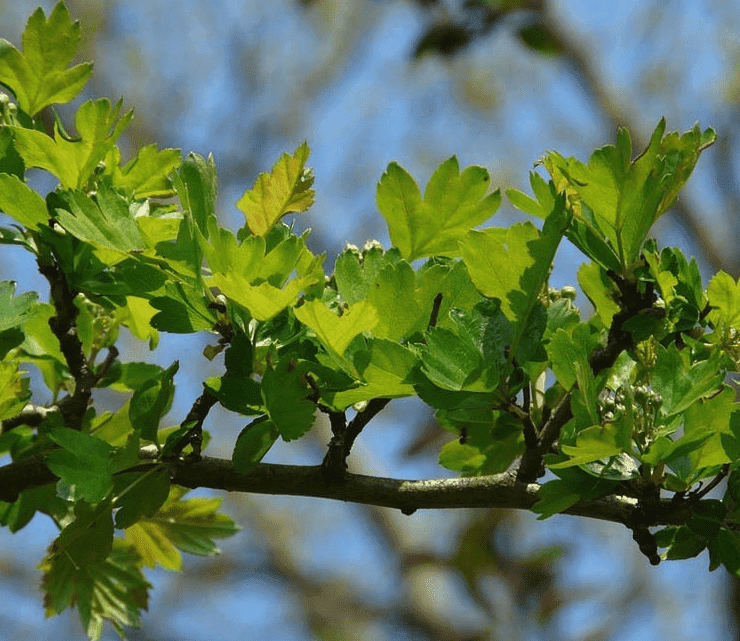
263,301
14,391
114,589
286,189
398,303
386,375
724,297
337,332
73,162
627,196
146,175
22,203
39,76
453,204
180,526
592,444
513,264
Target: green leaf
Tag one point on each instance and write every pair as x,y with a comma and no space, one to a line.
461,458
387,373
453,204
724,297
554,497
151,402
73,162
39,76
114,589
398,303
286,189
22,203
449,360
681,385
180,526
336,332
513,265
197,186
14,390
83,462
104,222
182,310
146,175
600,290
627,196
140,494
253,443
264,301
592,444
285,394
15,310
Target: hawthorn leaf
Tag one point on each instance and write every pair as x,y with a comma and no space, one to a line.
398,303
681,385
264,300
39,76
146,175
724,297
514,265
285,393
336,332
151,402
182,310
73,162
197,186
14,390
356,272
83,462
15,310
449,360
387,374
188,525
627,196
114,589
592,444
600,291
105,222
286,189
140,494
461,457
253,442
22,203
453,204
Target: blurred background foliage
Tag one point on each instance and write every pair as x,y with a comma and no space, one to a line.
496,82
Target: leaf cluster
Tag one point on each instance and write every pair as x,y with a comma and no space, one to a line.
635,402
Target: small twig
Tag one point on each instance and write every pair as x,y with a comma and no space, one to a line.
701,492
436,305
31,415
194,436
334,465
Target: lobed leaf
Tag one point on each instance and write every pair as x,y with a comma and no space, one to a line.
39,76
286,189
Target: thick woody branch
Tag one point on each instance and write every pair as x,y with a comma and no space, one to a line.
495,491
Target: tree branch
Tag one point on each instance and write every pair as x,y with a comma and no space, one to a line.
494,491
